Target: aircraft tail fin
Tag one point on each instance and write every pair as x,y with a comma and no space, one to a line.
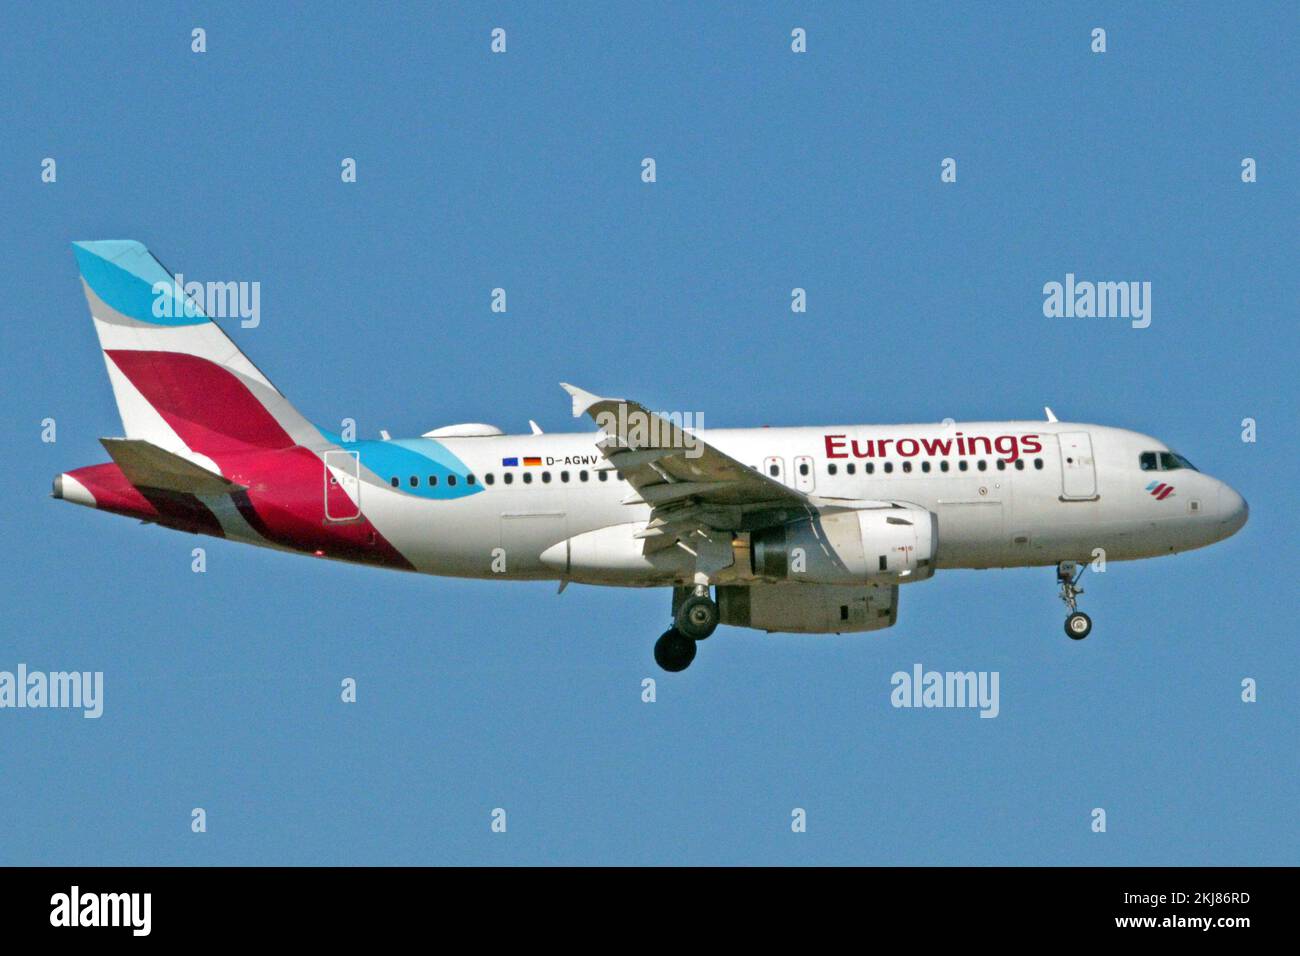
180,383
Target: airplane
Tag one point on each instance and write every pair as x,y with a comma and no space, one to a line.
807,530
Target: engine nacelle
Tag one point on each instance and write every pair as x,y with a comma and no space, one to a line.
884,545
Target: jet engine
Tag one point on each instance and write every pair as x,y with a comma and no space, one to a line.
894,545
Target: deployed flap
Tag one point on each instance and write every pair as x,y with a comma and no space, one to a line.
146,465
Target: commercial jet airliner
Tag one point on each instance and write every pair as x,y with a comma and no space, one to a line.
808,530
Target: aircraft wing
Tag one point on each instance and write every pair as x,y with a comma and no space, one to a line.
689,484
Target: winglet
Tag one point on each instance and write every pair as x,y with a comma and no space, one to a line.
582,400
1051,417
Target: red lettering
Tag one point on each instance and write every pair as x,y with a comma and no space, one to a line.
831,442
937,446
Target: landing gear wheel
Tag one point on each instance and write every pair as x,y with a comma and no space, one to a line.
1068,574
697,618
674,651
1078,625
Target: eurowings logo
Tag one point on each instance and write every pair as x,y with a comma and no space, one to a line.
1159,490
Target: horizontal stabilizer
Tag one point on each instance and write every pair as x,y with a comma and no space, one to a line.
146,465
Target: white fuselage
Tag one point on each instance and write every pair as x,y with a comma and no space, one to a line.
1077,488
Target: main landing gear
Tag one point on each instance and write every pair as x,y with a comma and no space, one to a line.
674,651
695,617
1068,574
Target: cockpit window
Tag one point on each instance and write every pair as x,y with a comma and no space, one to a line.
1163,461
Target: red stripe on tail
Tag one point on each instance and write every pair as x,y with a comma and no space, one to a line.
206,405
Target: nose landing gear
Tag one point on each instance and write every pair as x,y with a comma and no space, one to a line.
695,618
1078,625
1068,574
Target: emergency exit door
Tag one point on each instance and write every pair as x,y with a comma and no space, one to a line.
804,477
774,468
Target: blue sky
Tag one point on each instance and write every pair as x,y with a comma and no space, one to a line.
775,170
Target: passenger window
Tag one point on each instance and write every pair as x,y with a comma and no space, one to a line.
803,469
528,477
604,475
1002,465
943,465
925,466
469,479
489,478
1020,464
982,465
907,466
582,476
889,467
1147,461
1038,464
851,468
508,477
830,469
433,480
394,481
546,477
415,481
963,465
451,479
870,467
773,470
564,476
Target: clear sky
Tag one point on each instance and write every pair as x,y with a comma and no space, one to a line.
775,170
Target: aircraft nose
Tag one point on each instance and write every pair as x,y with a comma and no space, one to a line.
1233,509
